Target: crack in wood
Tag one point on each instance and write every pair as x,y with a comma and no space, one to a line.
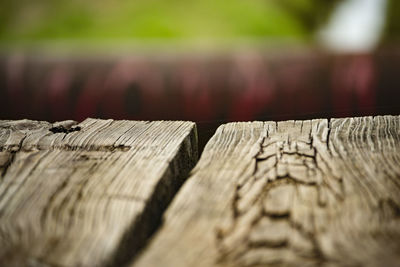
10,156
63,129
66,147
281,169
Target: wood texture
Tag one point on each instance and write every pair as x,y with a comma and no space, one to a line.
87,194
293,193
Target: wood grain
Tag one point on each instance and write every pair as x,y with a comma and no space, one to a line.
87,194
293,193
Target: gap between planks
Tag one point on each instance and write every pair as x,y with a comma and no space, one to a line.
263,194
292,193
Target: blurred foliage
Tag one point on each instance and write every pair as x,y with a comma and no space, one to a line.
392,29
24,20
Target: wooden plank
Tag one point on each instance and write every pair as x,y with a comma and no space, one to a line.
87,194
293,193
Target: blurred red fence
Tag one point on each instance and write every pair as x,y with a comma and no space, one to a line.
206,88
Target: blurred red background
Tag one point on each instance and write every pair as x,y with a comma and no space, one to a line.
208,88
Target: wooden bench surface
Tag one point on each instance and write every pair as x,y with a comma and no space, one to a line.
87,194
292,193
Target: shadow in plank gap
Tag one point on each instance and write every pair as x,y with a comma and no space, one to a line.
87,194
291,193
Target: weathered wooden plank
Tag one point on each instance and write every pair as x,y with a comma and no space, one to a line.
293,193
87,194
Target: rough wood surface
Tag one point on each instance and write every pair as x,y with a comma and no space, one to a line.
87,194
294,193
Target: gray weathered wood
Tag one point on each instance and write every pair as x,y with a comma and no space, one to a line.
87,194
293,193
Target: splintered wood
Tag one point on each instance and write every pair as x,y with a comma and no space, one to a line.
294,193
87,194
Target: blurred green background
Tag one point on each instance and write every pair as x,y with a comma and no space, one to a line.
142,20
